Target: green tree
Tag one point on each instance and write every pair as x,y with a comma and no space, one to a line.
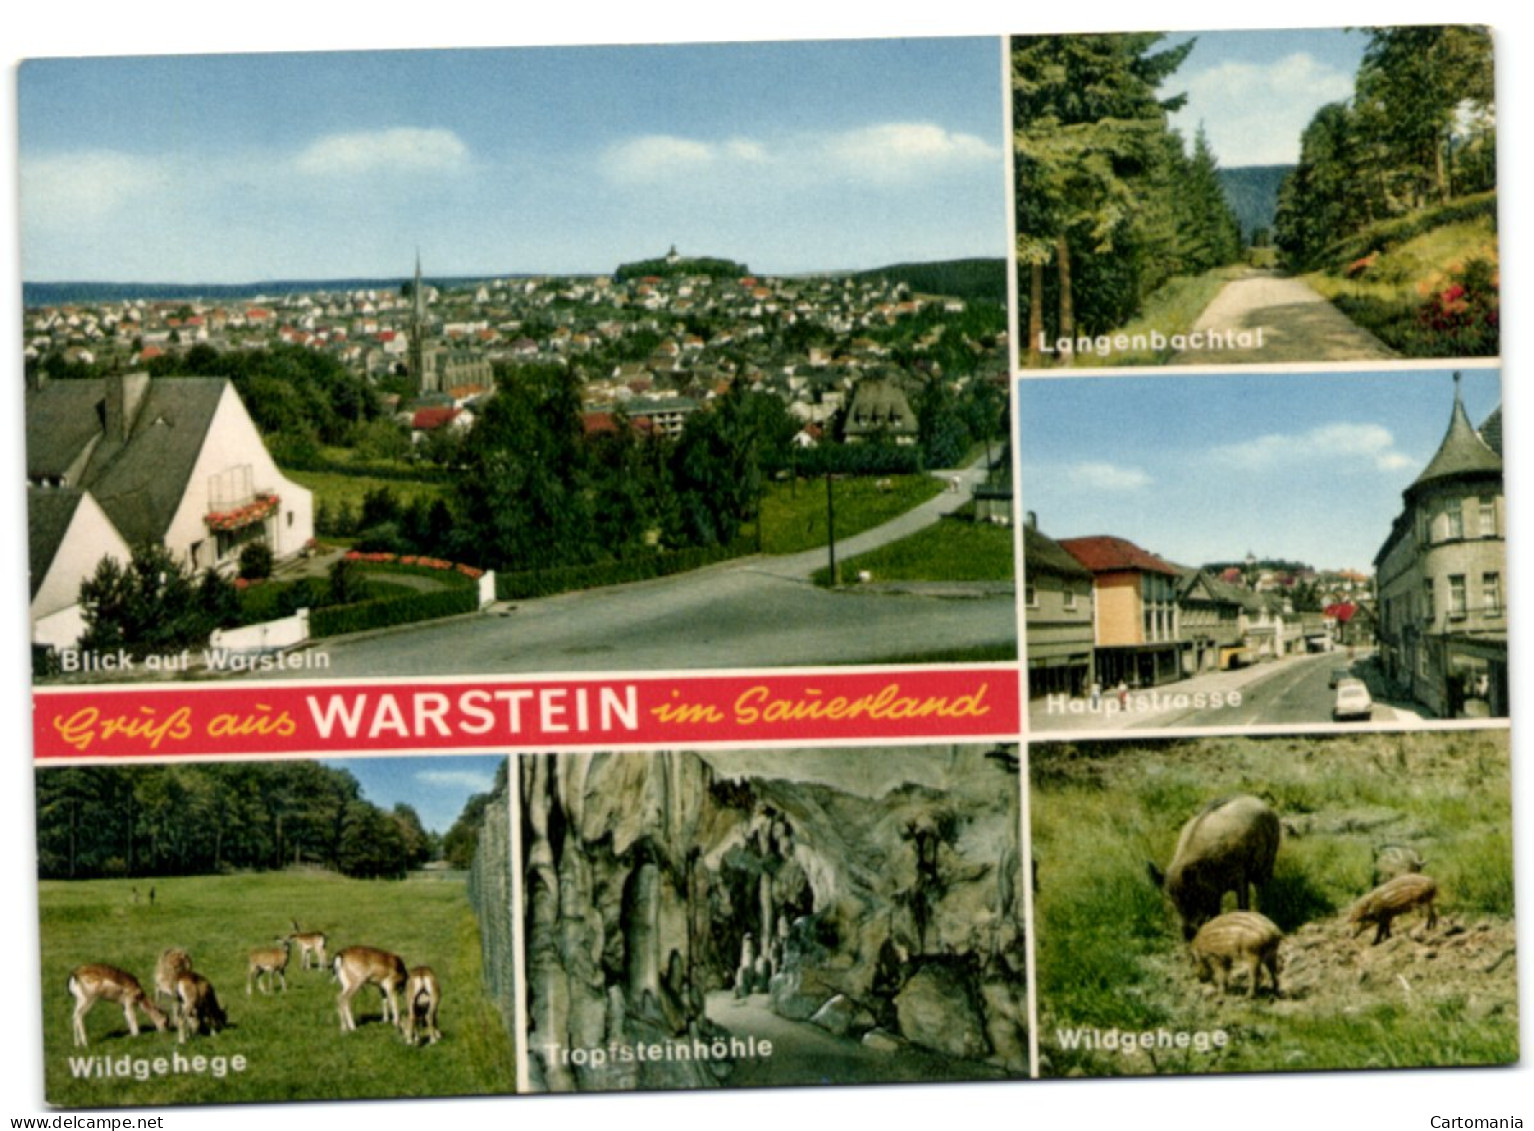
462,838
1331,193
1413,88
522,490
1091,185
153,605
381,440
1208,233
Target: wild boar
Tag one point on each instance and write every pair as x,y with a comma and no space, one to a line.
1227,846
1392,860
1238,936
1392,898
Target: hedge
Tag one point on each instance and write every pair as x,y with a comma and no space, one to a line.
335,620
547,582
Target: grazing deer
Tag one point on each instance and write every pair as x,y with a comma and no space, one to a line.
310,944
268,962
199,1008
355,967
423,993
97,982
173,962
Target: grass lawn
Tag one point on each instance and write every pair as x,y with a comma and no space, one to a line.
794,516
291,1041
1111,954
334,490
948,550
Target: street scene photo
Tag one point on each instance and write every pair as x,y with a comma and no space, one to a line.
1279,197
1232,550
491,382
753,917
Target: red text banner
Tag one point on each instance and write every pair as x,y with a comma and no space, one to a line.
232,719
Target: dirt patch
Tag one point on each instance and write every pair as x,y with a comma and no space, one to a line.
1325,970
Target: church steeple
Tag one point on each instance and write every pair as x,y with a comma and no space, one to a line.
418,297
424,380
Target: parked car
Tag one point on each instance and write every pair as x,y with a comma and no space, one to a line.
1338,675
1353,701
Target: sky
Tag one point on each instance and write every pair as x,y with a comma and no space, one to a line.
1299,466
436,786
1254,92
790,157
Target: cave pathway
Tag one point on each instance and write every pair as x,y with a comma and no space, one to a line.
806,1054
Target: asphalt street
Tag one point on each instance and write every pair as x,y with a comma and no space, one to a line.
1280,692
750,612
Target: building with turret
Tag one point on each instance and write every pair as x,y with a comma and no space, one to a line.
1442,576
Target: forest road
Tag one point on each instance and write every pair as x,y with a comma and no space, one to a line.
1297,325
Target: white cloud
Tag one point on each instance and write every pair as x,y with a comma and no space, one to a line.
456,779
1341,442
891,152
660,156
83,188
403,149
1095,476
906,150
1254,113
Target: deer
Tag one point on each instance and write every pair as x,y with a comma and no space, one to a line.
355,967
269,962
173,962
199,1007
311,944
98,982
423,993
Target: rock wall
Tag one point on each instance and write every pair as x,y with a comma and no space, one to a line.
882,909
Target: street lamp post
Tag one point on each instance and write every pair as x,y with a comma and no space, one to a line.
831,526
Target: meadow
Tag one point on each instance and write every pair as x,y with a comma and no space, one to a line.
338,490
1110,951
948,550
794,513
291,1041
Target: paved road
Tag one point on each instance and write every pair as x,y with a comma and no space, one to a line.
1295,692
1297,325
750,612
1280,692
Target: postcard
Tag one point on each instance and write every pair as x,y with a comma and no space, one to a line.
600,569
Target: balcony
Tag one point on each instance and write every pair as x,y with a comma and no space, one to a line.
259,508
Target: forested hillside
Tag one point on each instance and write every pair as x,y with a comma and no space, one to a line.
1252,193
959,278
